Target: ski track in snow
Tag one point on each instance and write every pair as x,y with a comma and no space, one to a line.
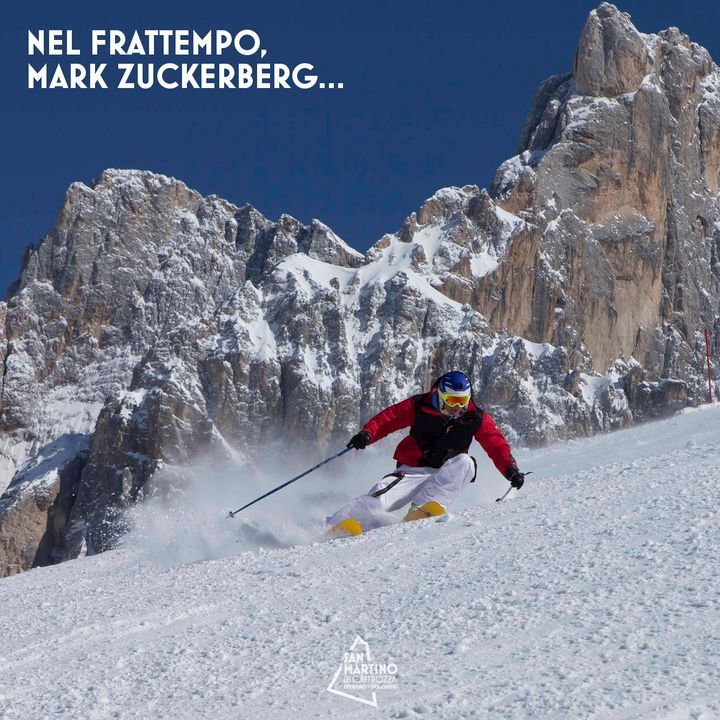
592,595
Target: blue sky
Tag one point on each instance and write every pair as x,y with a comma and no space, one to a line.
435,94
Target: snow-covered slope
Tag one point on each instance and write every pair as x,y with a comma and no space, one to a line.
593,594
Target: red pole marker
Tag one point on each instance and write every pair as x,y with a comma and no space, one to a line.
707,352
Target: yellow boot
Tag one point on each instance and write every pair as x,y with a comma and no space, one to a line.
347,527
429,509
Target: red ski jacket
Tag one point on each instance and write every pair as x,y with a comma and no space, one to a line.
427,443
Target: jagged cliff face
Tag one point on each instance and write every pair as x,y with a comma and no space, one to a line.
153,324
619,174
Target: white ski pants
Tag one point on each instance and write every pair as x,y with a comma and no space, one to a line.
409,484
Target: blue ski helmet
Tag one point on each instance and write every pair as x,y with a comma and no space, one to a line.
454,383
454,393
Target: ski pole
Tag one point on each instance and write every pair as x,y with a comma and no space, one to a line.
507,492
285,484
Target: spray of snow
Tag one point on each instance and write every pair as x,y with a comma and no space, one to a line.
186,517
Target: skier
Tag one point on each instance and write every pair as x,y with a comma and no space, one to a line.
433,465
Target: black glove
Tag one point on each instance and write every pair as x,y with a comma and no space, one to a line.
515,477
359,441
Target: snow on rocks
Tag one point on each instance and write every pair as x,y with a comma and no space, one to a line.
35,508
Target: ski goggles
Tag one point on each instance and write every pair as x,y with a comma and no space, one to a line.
454,400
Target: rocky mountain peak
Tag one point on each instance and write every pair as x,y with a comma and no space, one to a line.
612,57
619,170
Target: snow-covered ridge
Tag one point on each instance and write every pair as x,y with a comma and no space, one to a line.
426,255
